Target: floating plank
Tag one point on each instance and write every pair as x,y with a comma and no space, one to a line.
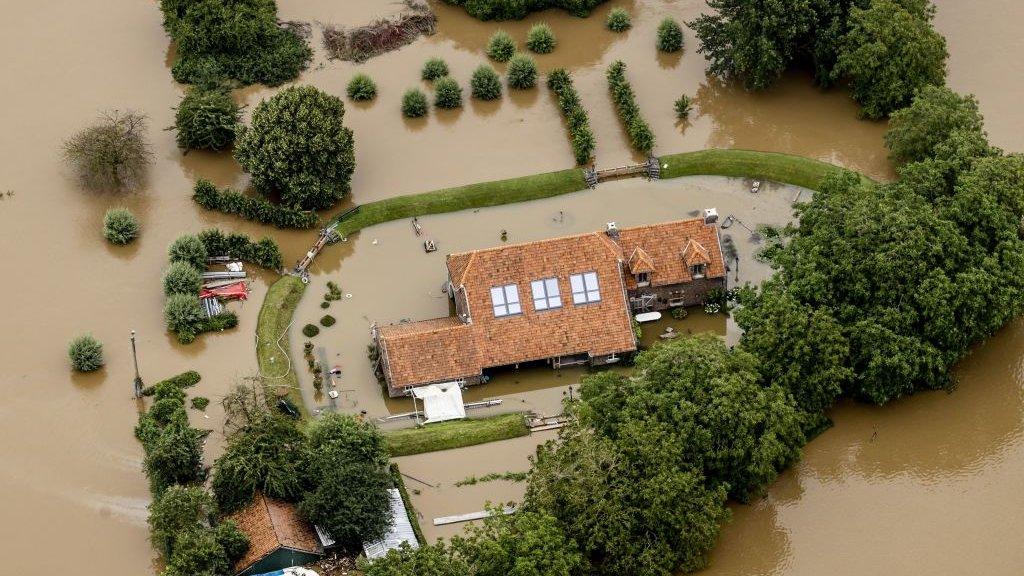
443,520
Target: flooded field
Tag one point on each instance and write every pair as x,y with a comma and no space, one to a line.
935,490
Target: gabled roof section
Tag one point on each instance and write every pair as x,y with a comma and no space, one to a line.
640,262
428,351
695,253
673,247
271,524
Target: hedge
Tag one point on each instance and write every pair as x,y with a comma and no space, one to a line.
519,9
251,208
640,133
580,134
264,252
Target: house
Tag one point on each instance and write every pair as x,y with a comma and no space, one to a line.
563,301
278,537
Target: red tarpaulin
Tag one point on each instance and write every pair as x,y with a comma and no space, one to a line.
229,292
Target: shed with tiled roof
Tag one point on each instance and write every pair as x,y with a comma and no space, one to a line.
278,537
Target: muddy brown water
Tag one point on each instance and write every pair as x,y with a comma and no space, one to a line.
935,490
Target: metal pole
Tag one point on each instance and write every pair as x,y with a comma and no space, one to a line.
135,361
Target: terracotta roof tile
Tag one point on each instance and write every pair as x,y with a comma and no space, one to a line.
669,243
447,349
271,524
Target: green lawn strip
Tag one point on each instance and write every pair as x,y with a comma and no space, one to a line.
464,197
785,168
396,477
275,315
455,434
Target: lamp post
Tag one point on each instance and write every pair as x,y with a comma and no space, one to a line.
135,361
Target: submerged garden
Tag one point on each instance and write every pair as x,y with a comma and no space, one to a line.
878,290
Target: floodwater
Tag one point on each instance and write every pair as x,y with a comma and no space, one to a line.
934,490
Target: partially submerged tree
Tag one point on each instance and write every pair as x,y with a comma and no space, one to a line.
915,132
182,278
361,88
207,119
414,103
190,249
447,93
889,53
120,226
541,39
86,353
113,154
485,83
670,36
298,147
501,47
521,72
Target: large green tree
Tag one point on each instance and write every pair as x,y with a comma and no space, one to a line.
709,403
888,54
800,349
753,41
178,510
428,560
345,464
523,544
266,455
298,147
238,39
638,513
934,114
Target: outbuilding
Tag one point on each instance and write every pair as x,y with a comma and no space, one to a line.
278,537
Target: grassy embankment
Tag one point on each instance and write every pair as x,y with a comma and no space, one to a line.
284,295
455,434
274,361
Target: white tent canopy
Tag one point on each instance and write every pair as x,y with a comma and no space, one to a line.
441,402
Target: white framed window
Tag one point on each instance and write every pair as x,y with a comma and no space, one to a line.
643,279
585,288
697,270
545,294
505,300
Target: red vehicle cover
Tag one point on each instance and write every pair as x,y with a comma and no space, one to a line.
230,292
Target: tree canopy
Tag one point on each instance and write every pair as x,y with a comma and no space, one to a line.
889,53
298,147
916,131
266,455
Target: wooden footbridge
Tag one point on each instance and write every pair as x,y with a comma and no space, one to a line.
651,169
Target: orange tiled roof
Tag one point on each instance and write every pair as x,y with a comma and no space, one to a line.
271,524
429,351
670,244
640,261
448,349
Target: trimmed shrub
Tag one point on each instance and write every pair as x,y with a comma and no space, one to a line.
86,353
310,330
485,84
265,252
200,403
171,386
182,314
501,47
207,119
670,36
541,39
683,106
639,131
519,9
619,20
576,119
298,146
361,88
434,69
414,103
251,208
327,321
120,226
182,278
447,93
188,248
522,72
325,305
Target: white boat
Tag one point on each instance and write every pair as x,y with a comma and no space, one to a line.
648,317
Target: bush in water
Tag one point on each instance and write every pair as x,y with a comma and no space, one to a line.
448,93
541,39
522,72
86,353
188,248
501,46
361,88
434,69
414,103
182,278
485,84
120,226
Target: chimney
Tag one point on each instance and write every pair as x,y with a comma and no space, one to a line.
612,230
710,215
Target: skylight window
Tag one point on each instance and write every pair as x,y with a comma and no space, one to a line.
545,294
505,300
584,288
